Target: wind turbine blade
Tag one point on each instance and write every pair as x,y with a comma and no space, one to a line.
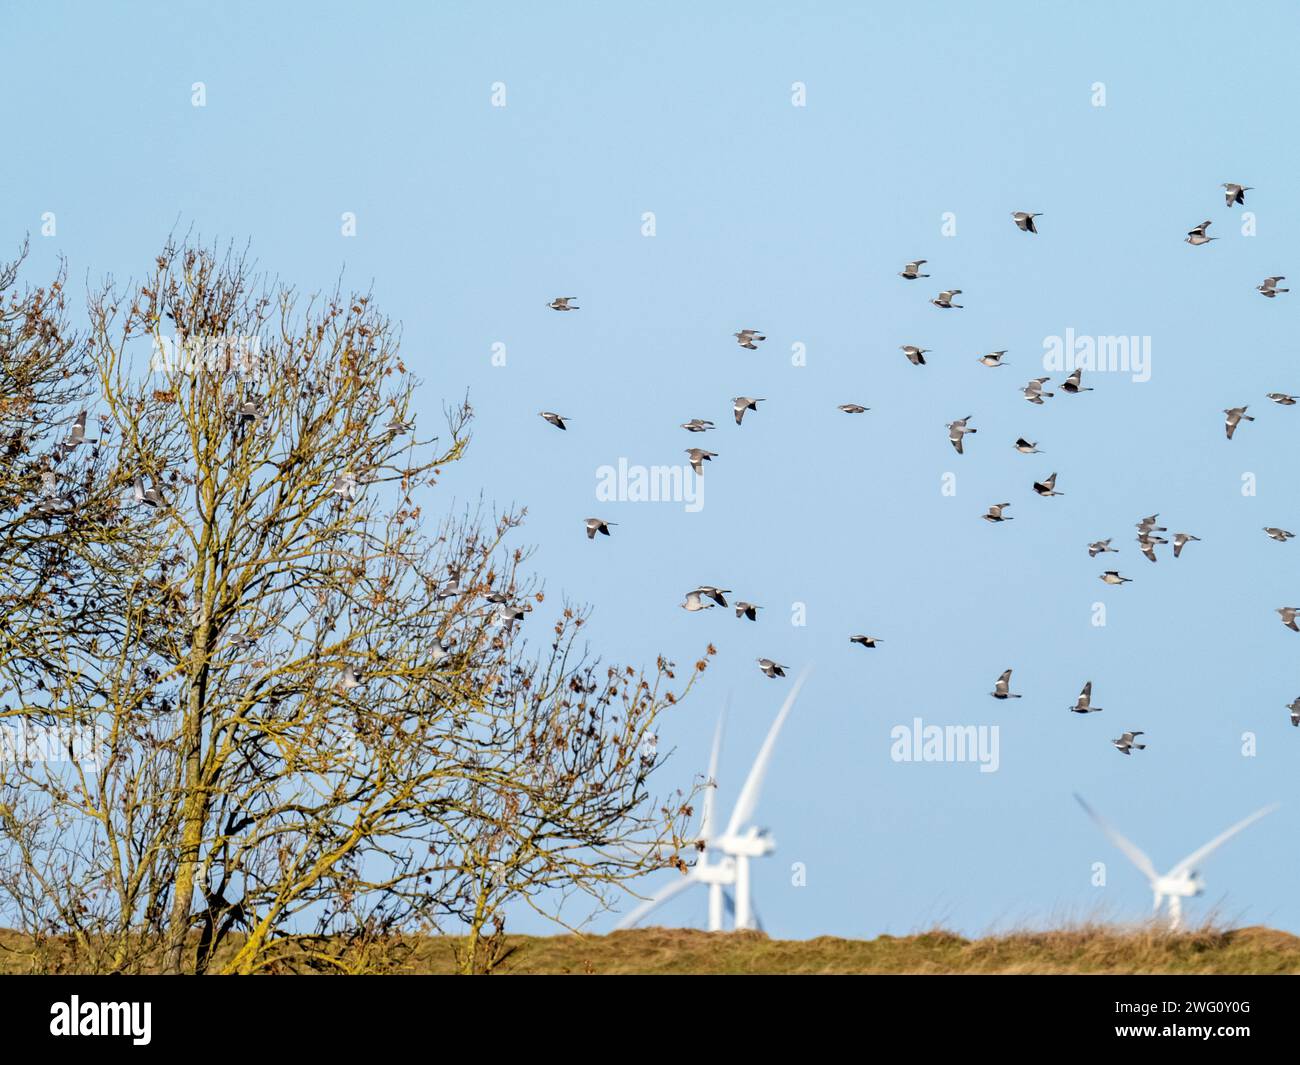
1131,851
1196,856
748,800
730,903
655,901
711,789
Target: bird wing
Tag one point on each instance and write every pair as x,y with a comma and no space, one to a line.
1131,851
1197,855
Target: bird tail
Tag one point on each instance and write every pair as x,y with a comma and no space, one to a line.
1139,746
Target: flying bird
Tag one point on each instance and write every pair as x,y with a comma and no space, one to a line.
598,525
1047,487
718,595
741,404
866,641
699,457
77,434
915,355
345,486
556,420
1234,193
48,507
1125,743
1002,688
1269,287
910,270
995,513
1288,614
853,408
1295,711
397,427
1034,391
1112,577
563,303
1026,447
956,430
450,590
1100,547
770,668
695,601
350,678
249,413
1148,524
1083,704
747,610
1236,415
1197,236
150,497
697,425
746,337
993,358
944,299
509,615
1025,220
1147,544
1280,535
1181,540
1282,399
1071,384
76,437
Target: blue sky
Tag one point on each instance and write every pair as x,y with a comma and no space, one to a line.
796,220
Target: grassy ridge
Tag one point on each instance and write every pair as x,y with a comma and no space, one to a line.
1085,950
1088,949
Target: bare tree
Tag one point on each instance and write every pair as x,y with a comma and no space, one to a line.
318,724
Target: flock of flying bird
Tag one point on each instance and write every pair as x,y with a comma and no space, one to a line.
705,597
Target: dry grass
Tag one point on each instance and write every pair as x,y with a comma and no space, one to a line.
1086,949
1082,950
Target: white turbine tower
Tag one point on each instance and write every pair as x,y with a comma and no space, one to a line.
738,843
1183,881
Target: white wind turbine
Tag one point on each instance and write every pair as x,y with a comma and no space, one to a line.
1183,881
735,846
